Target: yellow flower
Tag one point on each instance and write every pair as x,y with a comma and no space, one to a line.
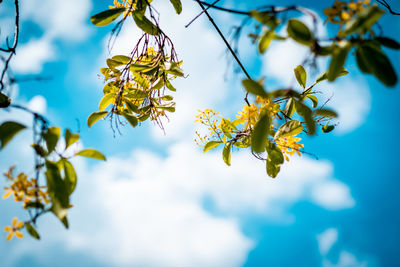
14,229
249,114
288,145
126,4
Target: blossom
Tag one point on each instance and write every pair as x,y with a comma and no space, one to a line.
14,229
288,145
126,4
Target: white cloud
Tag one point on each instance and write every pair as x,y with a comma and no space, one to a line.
346,259
144,205
32,55
332,196
351,98
65,20
59,20
326,240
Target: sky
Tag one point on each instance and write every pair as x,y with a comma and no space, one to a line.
158,200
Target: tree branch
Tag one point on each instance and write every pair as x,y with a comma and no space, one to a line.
11,50
385,4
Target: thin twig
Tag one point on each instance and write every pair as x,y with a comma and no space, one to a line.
385,4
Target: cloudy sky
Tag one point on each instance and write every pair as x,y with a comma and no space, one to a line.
158,200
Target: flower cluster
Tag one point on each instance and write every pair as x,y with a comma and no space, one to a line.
289,145
128,4
341,12
24,189
212,120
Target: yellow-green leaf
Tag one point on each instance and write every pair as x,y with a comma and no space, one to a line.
70,138
290,128
95,116
299,32
105,101
259,136
211,145
226,153
106,17
8,130
301,75
254,88
91,153
177,5
51,137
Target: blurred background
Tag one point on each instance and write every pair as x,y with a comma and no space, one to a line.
158,200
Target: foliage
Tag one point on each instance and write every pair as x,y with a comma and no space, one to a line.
136,84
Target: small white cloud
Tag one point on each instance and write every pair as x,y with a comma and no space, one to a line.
38,104
65,20
332,195
31,56
346,259
326,240
351,98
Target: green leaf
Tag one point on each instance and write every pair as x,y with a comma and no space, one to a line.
5,101
388,42
226,153
290,107
325,113
290,128
95,116
8,130
364,20
167,97
259,136
362,61
32,231
133,121
169,108
299,32
51,137
324,76
169,86
284,93
373,60
70,138
339,55
314,100
301,75
306,113
106,17
274,159
70,176
39,150
57,190
327,128
131,107
211,145
265,41
122,59
91,153
177,5
106,100
65,222
145,24
254,88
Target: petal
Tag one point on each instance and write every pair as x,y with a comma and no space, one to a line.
19,234
6,195
10,236
14,221
8,229
19,225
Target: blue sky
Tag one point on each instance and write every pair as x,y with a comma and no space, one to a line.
159,201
